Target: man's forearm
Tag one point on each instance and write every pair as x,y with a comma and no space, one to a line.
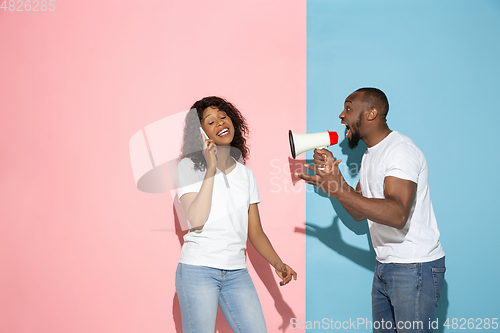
356,215
383,211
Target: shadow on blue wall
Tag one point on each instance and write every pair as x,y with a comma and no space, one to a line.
330,236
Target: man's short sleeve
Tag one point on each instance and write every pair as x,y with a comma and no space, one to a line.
404,162
188,179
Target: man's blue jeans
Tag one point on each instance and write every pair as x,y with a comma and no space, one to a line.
405,296
201,289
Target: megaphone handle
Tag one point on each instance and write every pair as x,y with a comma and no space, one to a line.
318,167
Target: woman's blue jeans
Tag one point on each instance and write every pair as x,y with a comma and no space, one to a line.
405,296
202,289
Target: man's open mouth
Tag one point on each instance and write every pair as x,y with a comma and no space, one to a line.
348,131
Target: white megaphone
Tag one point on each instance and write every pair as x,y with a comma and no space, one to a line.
300,143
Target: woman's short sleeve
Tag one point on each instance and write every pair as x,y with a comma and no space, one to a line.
188,179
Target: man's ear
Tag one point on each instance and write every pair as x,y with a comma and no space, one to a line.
372,114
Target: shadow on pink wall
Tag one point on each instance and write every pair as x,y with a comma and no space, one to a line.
263,270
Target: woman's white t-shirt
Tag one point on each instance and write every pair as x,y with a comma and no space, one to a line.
221,243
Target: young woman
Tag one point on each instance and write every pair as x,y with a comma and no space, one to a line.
219,196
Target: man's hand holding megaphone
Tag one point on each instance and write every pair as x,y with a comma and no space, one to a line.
329,180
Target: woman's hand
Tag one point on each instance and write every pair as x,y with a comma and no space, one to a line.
285,273
210,153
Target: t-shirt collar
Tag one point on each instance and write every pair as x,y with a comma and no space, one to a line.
382,143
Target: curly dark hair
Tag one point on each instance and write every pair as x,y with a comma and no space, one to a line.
192,145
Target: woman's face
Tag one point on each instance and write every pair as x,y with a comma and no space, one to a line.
218,126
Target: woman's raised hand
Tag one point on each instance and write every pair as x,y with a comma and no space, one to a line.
210,153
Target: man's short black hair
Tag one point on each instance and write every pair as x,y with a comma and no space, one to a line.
377,99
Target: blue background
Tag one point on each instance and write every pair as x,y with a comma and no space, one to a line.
438,63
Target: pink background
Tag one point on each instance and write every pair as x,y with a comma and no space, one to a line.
82,250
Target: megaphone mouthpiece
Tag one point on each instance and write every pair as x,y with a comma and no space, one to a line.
300,143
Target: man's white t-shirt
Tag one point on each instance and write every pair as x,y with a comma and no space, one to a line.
221,243
397,156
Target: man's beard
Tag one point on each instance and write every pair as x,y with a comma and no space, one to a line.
355,136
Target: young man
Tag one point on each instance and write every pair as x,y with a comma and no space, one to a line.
393,195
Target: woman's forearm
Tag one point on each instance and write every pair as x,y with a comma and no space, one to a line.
199,209
262,244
